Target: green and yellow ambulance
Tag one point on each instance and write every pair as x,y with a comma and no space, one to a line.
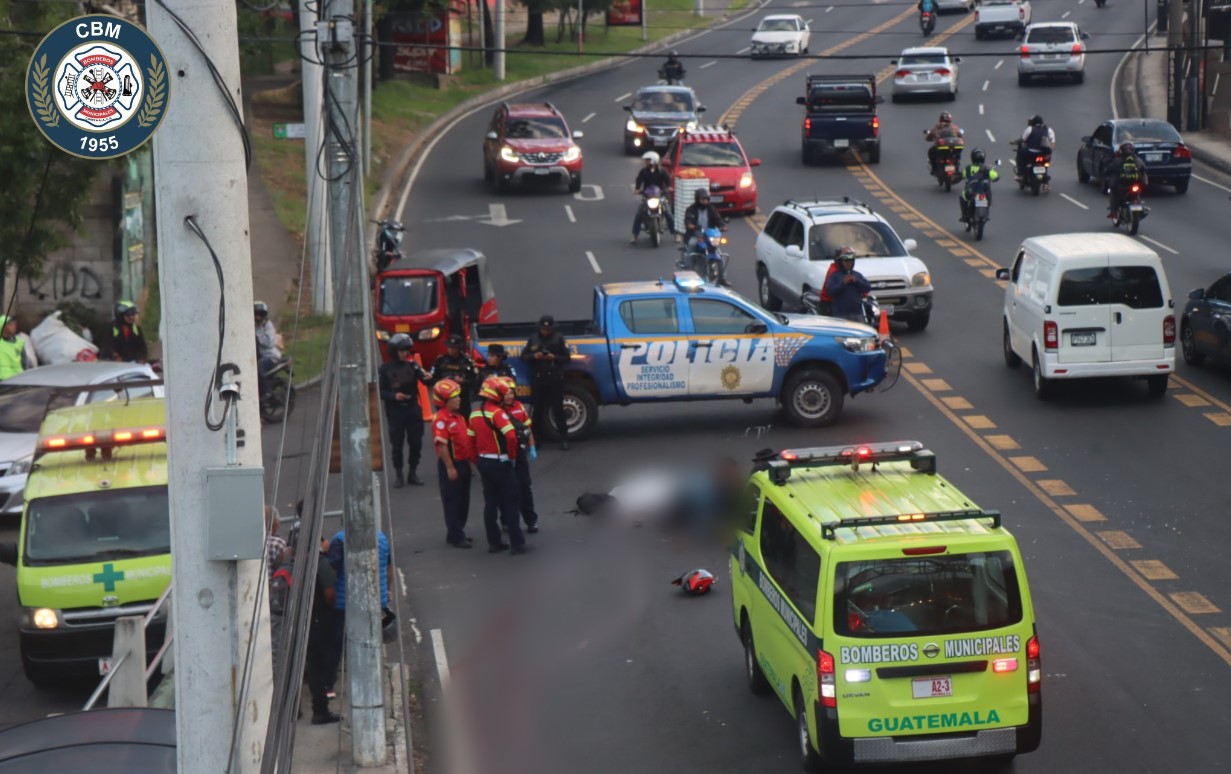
95,540
888,612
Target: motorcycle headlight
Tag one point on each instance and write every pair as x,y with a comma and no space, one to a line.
397,237
21,467
382,335
634,127
427,334
745,180
921,280
653,202
508,154
857,343
573,153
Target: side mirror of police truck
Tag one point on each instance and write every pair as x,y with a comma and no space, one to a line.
1002,274
8,554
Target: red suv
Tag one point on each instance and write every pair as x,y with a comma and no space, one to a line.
530,142
715,154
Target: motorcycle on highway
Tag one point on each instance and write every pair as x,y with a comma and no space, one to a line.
1035,174
279,396
1132,208
653,213
706,258
946,164
811,303
927,22
388,243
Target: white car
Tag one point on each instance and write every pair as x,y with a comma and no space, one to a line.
1052,48
1002,17
926,71
796,248
781,35
27,397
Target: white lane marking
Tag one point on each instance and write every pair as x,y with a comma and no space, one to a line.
743,50
594,262
1074,201
589,193
810,21
402,582
990,137
414,627
456,742
442,660
1065,15
1159,244
623,97
587,118
830,8
998,64
1115,74
980,108
708,64
568,210
1207,181
986,84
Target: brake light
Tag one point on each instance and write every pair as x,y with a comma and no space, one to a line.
901,73
1181,152
1169,329
976,15
1077,48
1051,335
825,679
1021,13
1135,188
1025,52
807,124
1041,160
944,72
863,452
1034,666
1002,665
924,551
876,125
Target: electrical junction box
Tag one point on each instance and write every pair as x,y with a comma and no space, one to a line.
235,502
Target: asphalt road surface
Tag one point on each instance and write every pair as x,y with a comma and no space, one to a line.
582,657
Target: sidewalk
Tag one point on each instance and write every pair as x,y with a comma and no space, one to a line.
1141,91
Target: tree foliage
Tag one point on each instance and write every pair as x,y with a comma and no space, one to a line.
44,188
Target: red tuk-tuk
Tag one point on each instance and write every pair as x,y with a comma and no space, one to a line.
432,295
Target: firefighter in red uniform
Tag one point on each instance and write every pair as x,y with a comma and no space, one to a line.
454,445
525,453
495,438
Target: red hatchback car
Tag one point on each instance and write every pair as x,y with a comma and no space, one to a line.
715,154
530,142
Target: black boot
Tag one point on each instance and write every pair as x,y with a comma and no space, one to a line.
413,478
398,481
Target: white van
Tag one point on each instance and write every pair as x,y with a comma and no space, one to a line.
1082,305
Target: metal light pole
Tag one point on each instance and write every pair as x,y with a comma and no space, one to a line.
316,234
363,609
498,43
581,26
214,478
644,14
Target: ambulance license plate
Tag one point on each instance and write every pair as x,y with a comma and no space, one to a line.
931,687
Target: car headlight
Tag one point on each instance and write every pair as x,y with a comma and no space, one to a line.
634,127
573,153
427,334
382,335
21,467
921,280
857,343
690,126
40,617
653,202
745,180
508,154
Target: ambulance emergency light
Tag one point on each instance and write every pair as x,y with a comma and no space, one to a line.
105,440
824,456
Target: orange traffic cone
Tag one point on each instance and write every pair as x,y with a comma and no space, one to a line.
884,325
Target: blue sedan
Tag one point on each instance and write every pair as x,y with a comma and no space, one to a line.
1159,146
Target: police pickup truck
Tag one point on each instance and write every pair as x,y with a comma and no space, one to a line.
684,340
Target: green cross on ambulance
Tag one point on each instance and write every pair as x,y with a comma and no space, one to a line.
95,539
889,613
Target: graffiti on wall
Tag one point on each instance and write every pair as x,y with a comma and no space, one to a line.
66,282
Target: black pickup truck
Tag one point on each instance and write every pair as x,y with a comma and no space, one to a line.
841,116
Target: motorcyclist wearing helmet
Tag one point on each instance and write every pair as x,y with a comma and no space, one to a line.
846,287
268,344
975,171
399,381
673,71
700,216
650,175
1120,171
126,342
1037,138
944,133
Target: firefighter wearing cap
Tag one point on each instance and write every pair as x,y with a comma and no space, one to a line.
496,448
399,391
12,349
525,453
454,445
547,354
456,365
496,366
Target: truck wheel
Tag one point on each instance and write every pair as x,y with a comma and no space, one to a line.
1188,343
918,322
874,154
766,291
574,183
1082,175
1157,385
752,670
812,398
580,411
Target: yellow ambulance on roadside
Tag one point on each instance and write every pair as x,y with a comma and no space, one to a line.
95,538
888,612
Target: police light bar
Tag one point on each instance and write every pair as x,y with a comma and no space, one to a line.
689,281
105,440
823,456
828,530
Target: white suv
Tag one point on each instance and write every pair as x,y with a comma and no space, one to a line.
1052,48
795,251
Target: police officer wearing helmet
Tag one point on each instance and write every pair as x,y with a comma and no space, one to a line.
547,354
126,342
1122,170
497,449
651,175
399,391
458,366
847,287
454,444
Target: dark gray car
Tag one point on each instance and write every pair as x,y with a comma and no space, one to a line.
656,114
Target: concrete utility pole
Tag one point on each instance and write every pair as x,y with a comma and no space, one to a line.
498,43
222,700
1175,62
363,609
316,235
368,52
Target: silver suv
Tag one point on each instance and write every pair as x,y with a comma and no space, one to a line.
795,251
1052,48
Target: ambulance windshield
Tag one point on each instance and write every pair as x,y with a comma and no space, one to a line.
926,595
97,526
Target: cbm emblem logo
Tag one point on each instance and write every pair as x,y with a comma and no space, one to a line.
97,87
